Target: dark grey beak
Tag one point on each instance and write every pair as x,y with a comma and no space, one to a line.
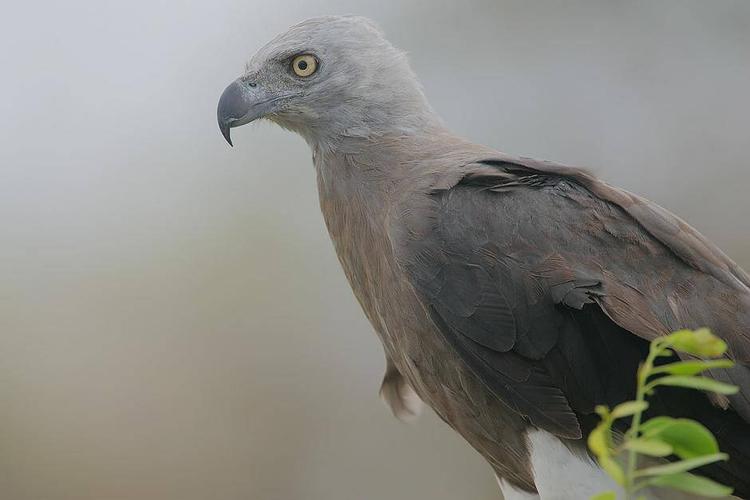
241,103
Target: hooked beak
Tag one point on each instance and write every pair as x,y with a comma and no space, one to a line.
240,103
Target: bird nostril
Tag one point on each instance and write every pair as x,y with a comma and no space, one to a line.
247,80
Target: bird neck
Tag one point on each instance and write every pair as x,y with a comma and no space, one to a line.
379,165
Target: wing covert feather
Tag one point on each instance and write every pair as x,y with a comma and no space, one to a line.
535,274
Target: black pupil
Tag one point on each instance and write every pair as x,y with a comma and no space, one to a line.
302,65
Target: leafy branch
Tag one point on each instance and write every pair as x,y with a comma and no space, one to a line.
691,443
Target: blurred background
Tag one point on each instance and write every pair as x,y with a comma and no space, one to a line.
173,320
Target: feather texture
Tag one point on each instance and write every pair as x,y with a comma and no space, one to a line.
582,285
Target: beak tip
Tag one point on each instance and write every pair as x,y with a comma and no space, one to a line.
225,131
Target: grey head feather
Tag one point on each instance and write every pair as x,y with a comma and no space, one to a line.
363,87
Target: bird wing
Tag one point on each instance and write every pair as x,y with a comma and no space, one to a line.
548,283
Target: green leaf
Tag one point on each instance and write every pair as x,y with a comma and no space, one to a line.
665,353
613,469
605,495
688,438
628,408
691,483
699,342
681,466
701,383
651,447
692,367
602,411
599,440
651,426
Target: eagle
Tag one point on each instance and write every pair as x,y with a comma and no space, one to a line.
511,295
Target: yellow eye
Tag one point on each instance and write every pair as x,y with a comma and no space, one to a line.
304,65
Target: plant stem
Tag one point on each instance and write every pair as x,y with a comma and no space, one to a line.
644,372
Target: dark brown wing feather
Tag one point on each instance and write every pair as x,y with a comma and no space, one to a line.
549,283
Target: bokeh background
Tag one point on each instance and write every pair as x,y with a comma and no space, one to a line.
173,320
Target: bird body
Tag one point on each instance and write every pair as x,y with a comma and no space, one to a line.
360,209
510,295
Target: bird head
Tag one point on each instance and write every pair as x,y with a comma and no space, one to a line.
328,78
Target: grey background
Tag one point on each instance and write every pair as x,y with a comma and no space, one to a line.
173,321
